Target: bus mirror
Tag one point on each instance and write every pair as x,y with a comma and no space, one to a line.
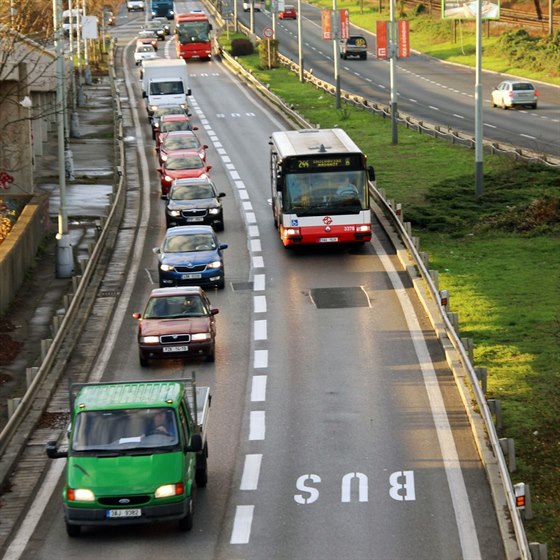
371,173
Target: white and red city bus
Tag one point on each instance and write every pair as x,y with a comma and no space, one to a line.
193,35
320,192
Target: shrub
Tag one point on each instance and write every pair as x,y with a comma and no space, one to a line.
242,47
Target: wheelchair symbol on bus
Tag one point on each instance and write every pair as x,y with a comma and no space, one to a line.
294,223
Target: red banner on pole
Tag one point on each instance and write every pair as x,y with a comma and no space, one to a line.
382,43
404,39
344,24
326,24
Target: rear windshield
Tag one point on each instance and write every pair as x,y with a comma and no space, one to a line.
357,41
521,87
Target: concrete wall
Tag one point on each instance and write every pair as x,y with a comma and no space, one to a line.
17,252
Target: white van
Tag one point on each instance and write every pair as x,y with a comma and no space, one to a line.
256,6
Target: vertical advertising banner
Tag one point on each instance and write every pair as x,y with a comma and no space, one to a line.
404,39
344,24
382,43
326,25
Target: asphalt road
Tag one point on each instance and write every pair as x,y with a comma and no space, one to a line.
336,428
427,89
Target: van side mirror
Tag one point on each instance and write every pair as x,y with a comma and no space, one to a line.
196,444
371,173
53,452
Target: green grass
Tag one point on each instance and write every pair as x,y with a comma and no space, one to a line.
503,278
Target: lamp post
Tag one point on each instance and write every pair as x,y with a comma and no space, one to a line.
300,41
393,73
336,34
64,256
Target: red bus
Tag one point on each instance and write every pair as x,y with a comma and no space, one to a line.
193,36
320,191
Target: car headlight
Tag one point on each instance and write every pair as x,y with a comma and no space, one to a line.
201,336
215,264
174,213
149,339
166,267
153,108
168,178
213,211
80,495
168,490
164,157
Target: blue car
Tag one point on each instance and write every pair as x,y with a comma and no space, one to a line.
191,256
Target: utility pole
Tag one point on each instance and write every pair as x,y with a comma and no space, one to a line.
393,73
300,41
479,174
335,26
64,256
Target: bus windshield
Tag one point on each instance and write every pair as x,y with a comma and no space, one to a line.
193,32
314,194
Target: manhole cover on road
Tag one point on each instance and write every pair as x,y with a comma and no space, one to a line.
336,298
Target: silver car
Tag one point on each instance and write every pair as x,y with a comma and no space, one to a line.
510,93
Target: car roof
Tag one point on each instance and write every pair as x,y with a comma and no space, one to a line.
175,117
188,230
189,133
177,291
192,181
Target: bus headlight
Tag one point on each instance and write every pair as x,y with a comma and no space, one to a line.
362,229
292,232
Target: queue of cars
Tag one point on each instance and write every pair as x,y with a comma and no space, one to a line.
178,320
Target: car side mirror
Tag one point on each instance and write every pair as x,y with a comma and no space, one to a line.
208,167
53,452
222,194
136,315
214,311
223,246
371,173
205,146
196,444
156,250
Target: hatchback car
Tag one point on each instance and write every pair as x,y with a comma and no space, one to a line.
510,93
156,27
183,164
148,37
164,22
170,123
191,256
194,201
155,117
289,12
181,140
355,45
176,323
144,52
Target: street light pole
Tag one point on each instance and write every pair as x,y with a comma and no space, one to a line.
479,175
300,41
64,256
336,32
393,73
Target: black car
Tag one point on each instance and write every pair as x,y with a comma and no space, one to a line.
193,202
164,24
157,28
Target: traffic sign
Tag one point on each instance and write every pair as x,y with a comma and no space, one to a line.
268,32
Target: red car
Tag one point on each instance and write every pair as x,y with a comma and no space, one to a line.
181,140
168,123
177,323
182,164
289,12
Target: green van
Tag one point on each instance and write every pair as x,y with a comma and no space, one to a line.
136,452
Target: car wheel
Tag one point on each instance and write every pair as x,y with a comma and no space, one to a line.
212,356
186,524
73,530
144,362
533,106
201,476
221,284
364,56
220,226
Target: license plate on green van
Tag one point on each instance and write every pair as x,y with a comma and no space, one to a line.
120,513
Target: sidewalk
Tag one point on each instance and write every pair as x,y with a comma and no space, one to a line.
29,319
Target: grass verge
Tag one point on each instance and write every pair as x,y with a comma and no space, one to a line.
497,254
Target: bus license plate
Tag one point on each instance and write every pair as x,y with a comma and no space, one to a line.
175,349
190,276
114,513
328,239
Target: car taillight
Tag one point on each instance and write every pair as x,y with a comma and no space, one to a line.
510,93
536,93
